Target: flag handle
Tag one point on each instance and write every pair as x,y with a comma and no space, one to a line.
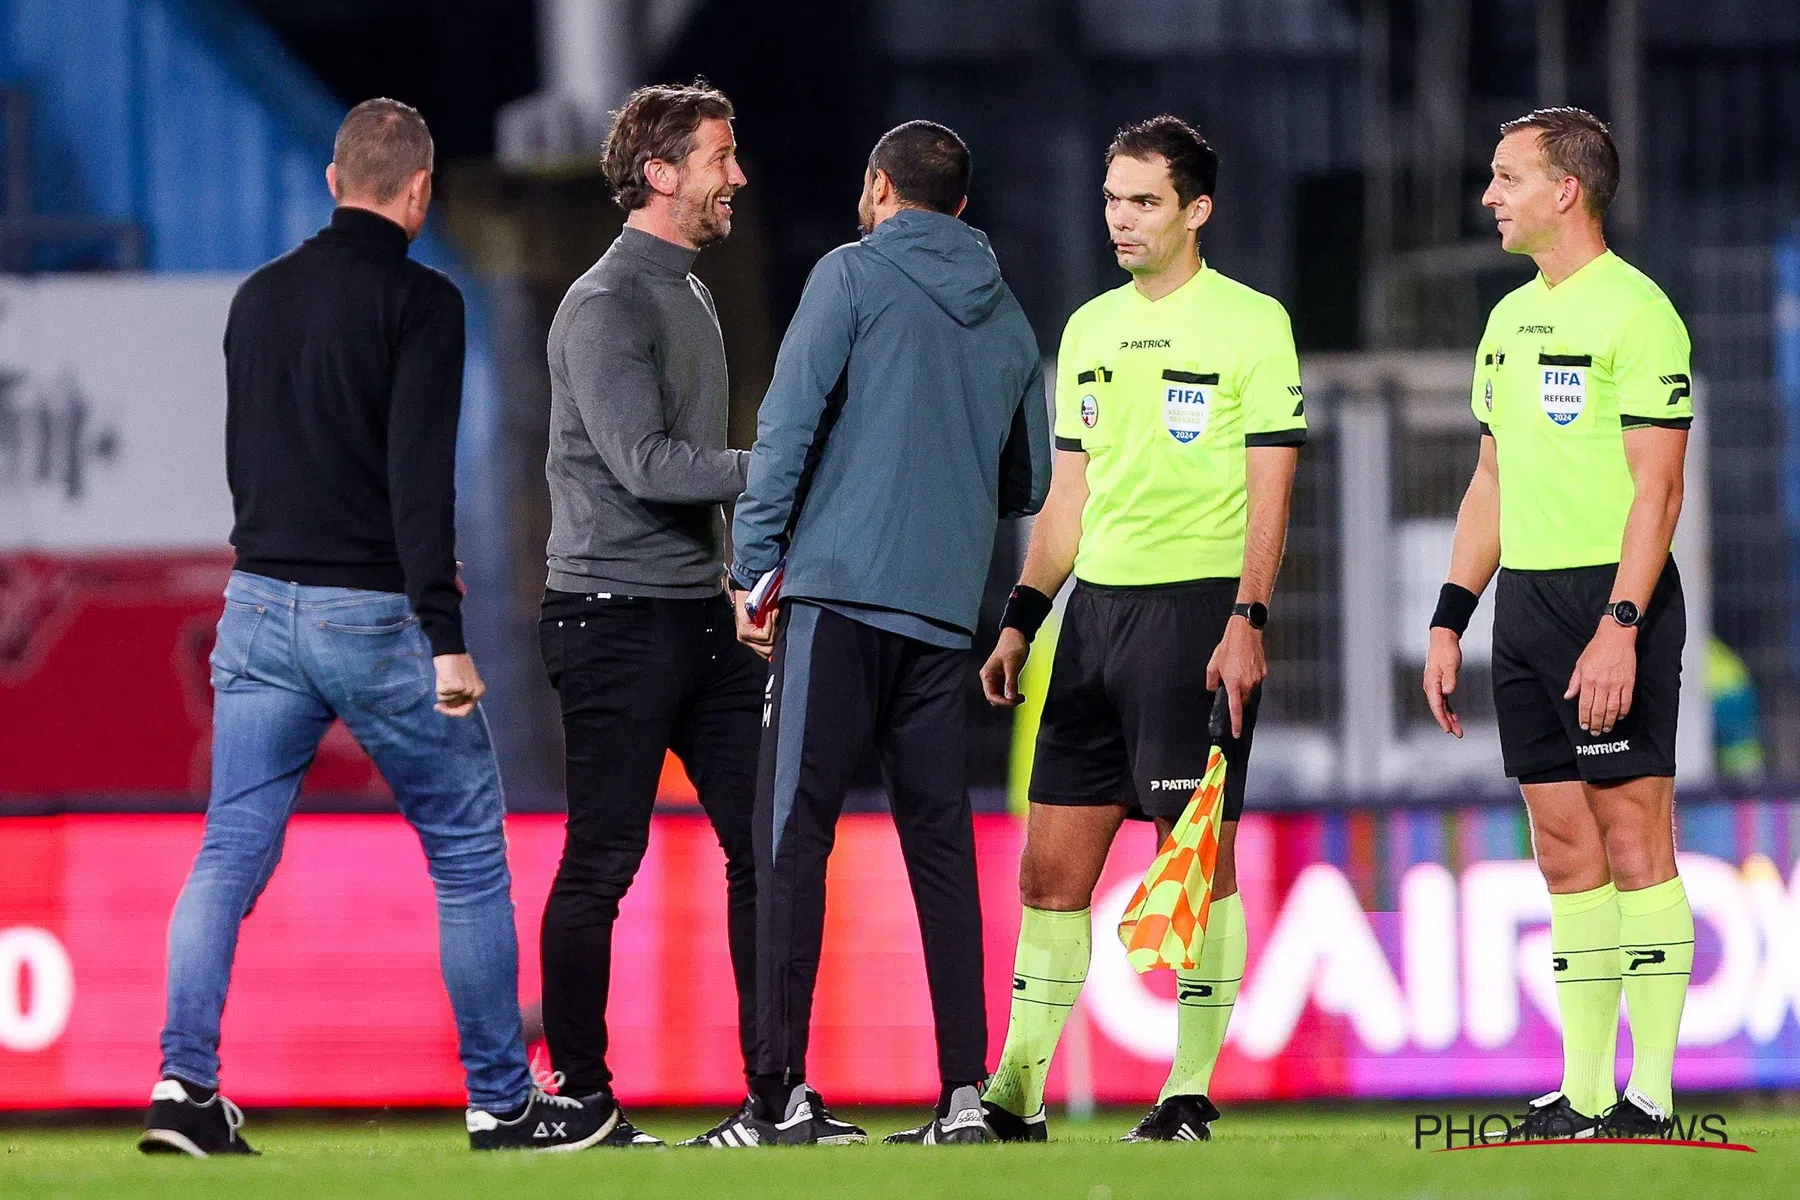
1218,725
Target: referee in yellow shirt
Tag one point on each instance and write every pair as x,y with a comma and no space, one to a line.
1582,395
1179,418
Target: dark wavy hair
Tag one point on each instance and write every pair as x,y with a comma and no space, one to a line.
656,122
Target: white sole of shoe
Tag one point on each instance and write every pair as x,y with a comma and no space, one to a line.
844,1139
584,1143
156,1141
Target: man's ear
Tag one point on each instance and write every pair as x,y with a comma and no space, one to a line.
331,182
881,191
1200,212
663,178
418,189
1568,194
960,205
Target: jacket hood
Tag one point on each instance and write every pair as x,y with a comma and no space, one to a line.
952,262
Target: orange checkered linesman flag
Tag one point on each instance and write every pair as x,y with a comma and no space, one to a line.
1165,924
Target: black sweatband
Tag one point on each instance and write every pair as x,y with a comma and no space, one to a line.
1456,604
1025,611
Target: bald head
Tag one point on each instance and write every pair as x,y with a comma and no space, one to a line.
381,146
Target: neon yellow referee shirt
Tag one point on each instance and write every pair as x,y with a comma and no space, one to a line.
1561,373
1164,396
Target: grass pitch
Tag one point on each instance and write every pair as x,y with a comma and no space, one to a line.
1262,1152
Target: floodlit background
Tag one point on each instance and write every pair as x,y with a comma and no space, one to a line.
156,150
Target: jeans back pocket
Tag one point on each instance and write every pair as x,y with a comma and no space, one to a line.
385,667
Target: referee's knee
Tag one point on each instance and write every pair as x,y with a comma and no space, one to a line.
1050,890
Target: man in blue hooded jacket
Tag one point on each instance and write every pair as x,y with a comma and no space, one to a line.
905,418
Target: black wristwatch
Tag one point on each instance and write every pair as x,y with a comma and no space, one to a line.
1254,611
1624,612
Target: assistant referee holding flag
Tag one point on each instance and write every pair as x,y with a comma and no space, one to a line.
1179,419
1582,392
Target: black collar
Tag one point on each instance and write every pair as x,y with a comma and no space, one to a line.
667,255
367,226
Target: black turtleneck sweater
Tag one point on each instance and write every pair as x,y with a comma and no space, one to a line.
343,375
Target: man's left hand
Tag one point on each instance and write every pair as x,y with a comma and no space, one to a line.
1237,666
1604,677
760,638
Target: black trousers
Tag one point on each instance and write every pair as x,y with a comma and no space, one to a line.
839,685
638,677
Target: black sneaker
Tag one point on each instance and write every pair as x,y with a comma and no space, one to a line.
1177,1119
626,1135
178,1124
546,1122
1008,1126
706,1136
807,1122
1636,1116
1552,1118
964,1124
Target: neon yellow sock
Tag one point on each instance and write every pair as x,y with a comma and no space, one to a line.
1656,957
1204,997
1048,971
1584,941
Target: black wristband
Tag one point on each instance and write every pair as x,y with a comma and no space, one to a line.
1456,604
1025,611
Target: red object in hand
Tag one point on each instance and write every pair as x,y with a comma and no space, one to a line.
761,601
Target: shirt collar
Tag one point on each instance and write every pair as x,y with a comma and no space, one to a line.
656,251
364,225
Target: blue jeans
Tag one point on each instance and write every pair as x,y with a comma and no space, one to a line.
287,660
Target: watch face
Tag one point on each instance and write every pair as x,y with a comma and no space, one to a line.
1255,612
1625,612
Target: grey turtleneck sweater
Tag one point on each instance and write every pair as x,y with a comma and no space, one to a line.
638,467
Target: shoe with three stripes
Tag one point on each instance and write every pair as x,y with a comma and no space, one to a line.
807,1122
964,1123
1177,1119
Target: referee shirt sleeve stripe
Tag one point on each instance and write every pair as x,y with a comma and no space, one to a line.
1632,421
1068,443
1280,437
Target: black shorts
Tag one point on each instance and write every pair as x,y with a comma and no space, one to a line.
1543,620
1125,715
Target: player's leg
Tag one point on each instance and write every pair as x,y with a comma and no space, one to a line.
373,663
716,738
1079,776
1158,679
613,664
266,729
923,761
1535,649
821,716
1656,925
1632,792
1584,939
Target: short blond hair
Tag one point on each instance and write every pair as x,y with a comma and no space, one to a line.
381,144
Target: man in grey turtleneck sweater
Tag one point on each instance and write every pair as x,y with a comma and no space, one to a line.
637,635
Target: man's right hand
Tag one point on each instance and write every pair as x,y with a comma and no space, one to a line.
459,685
1000,674
1442,662
760,638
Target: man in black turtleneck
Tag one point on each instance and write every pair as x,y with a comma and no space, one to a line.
343,370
